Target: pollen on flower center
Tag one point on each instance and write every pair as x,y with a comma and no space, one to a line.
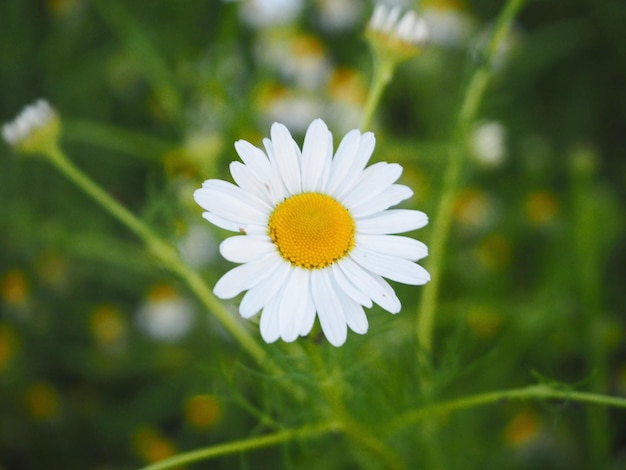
312,230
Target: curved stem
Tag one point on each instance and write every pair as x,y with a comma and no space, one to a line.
383,72
589,267
533,392
165,253
468,110
244,445
330,386
115,138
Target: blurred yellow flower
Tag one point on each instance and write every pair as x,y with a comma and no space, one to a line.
524,426
483,320
43,402
52,269
14,287
202,411
494,252
107,325
151,445
347,85
541,207
9,343
475,209
61,7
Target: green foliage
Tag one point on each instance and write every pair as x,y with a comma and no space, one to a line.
153,93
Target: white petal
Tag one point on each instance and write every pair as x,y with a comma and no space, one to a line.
316,156
392,19
221,222
356,164
247,181
389,197
379,16
392,221
349,288
287,157
342,162
293,305
254,158
231,202
372,285
260,295
309,317
372,182
393,245
355,316
245,276
242,249
259,164
404,29
391,267
328,306
269,321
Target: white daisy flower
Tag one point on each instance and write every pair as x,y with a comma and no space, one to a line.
165,315
35,129
408,28
488,143
315,233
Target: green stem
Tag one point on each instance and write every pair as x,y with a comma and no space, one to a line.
533,392
383,72
588,268
116,138
244,445
331,384
165,253
468,110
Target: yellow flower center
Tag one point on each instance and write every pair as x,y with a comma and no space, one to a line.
312,230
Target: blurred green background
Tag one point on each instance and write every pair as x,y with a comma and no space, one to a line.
107,362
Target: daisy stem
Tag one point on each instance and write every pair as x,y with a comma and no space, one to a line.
114,138
244,445
383,72
588,245
468,110
534,392
331,385
164,252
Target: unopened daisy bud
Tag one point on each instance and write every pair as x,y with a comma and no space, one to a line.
35,130
394,35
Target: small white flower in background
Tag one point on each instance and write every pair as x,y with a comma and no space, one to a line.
314,233
506,45
165,315
487,143
338,15
300,59
449,23
295,108
347,91
268,13
408,28
197,246
34,129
